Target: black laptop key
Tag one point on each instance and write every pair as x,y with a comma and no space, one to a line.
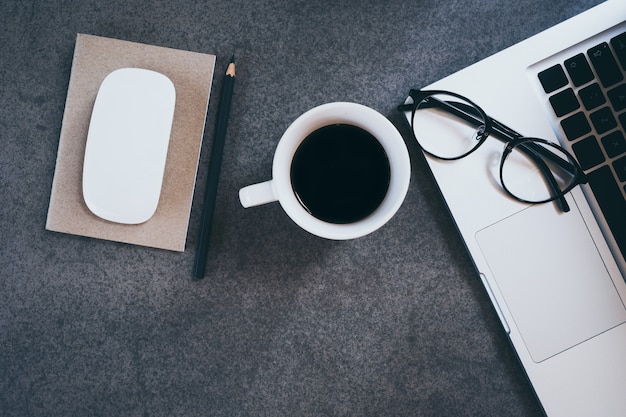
618,97
620,168
614,144
619,46
606,67
552,78
564,102
611,202
575,126
588,152
592,96
603,120
579,70
622,120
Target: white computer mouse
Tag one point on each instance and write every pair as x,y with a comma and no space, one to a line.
127,145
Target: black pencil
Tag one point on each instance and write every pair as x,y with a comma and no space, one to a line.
215,163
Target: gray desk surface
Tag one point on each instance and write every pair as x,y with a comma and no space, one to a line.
286,324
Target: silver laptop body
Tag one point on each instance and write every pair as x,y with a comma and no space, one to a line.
556,280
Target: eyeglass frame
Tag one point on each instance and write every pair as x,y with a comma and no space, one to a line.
512,140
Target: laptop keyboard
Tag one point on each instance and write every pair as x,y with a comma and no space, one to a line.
587,93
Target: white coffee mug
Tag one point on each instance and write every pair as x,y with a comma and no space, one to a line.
280,189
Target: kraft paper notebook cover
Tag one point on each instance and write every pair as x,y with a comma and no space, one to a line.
192,74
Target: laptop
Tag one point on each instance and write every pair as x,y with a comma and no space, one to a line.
556,279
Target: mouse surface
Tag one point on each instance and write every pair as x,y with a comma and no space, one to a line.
127,145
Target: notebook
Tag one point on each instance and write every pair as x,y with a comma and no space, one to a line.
192,75
556,280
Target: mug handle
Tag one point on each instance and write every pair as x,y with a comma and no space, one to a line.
257,194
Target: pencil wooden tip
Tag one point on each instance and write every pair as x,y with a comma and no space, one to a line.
231,67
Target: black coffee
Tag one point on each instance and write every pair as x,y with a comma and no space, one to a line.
340,173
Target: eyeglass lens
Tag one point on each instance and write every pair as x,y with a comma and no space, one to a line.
530,176
441,131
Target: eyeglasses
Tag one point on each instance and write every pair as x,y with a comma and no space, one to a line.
449,126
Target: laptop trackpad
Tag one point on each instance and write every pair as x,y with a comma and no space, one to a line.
552,278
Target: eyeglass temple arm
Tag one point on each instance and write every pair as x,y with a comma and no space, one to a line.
508,135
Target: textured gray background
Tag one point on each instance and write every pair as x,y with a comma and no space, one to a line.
286,324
